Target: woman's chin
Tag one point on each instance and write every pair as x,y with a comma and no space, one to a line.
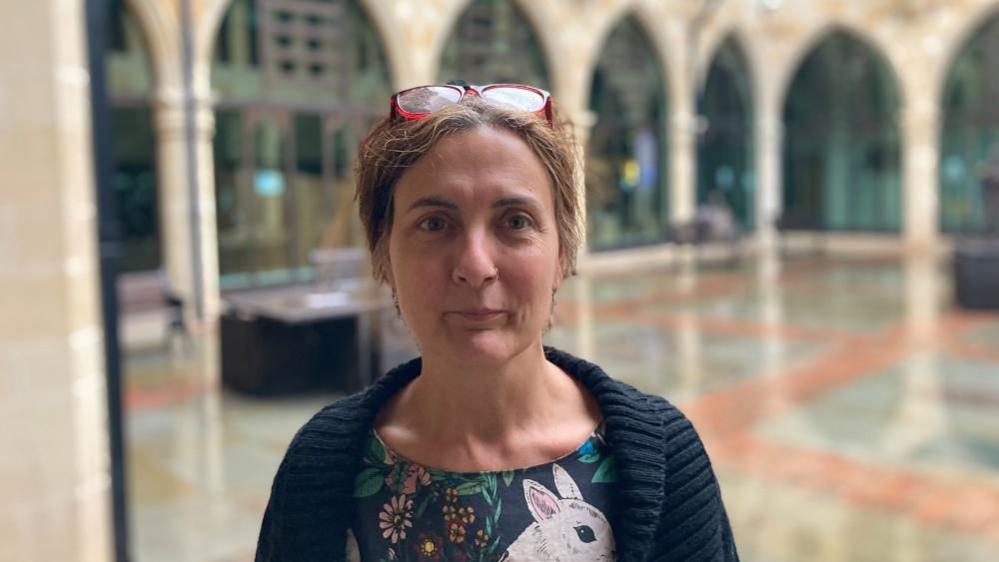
486,347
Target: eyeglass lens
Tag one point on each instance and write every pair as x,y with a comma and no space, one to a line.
516,98
428,99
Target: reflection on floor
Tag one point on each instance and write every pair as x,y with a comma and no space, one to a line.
851,412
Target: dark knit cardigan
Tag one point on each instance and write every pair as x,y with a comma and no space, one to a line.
669,503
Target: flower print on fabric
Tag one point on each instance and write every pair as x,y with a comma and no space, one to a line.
415,475
428,547
396,517
405,511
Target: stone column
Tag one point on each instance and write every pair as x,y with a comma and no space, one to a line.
920,172
190,257
682,163
54,477
769,144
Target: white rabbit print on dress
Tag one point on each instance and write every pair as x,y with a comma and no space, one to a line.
566,528
408,512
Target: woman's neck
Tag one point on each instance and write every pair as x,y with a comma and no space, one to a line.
524,410
487,401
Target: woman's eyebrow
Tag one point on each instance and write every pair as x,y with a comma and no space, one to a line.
433,202
515,202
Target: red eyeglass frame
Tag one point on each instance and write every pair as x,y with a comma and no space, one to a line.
397,110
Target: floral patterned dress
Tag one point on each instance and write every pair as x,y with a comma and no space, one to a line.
554,511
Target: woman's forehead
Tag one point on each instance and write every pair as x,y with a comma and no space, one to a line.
483,166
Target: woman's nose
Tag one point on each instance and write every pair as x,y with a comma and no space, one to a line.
475,265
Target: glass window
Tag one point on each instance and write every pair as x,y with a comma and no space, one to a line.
298,86
133,150
970,135
626,153
841,145
725,166
492,42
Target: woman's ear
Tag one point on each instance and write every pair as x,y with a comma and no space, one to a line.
382,265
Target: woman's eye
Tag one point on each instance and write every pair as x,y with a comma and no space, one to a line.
519,222
433,224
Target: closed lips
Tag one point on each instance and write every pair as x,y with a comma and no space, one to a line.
479,313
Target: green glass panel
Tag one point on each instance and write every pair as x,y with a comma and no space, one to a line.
626,180
312,200
353,75
492,42
841,146
725,151
133,148
271,202
134,185
230,202
969,155
285,145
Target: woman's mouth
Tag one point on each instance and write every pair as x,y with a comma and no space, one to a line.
479,314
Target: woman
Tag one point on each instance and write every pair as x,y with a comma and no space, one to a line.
490,446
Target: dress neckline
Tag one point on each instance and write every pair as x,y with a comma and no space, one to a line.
596,434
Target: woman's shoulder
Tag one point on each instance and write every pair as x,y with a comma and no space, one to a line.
634,419
609,391
349,418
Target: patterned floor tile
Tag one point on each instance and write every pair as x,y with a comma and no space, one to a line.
852,413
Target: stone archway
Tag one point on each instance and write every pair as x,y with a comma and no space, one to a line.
492,41
627,148
842,147
726,168
969,138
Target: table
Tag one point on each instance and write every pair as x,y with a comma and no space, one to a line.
296,339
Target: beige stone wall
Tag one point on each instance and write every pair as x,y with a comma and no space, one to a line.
54,470
918,38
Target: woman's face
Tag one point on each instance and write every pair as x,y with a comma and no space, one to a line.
474,250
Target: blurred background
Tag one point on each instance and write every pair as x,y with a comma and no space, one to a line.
792,233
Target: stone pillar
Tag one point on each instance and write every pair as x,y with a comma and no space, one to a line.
769,143
920,172
54,477
204,133
682,162
192,270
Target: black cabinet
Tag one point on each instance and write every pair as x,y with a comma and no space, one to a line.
976,273
263,356
296,339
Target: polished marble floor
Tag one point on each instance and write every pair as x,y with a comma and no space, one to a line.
850,409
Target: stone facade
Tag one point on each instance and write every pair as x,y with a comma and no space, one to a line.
918,39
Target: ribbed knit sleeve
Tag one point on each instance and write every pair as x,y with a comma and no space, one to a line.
269,540
308,511
693,524
311,501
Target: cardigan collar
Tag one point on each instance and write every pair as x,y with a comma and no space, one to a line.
633,422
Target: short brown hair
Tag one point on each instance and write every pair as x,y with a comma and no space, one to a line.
393,145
